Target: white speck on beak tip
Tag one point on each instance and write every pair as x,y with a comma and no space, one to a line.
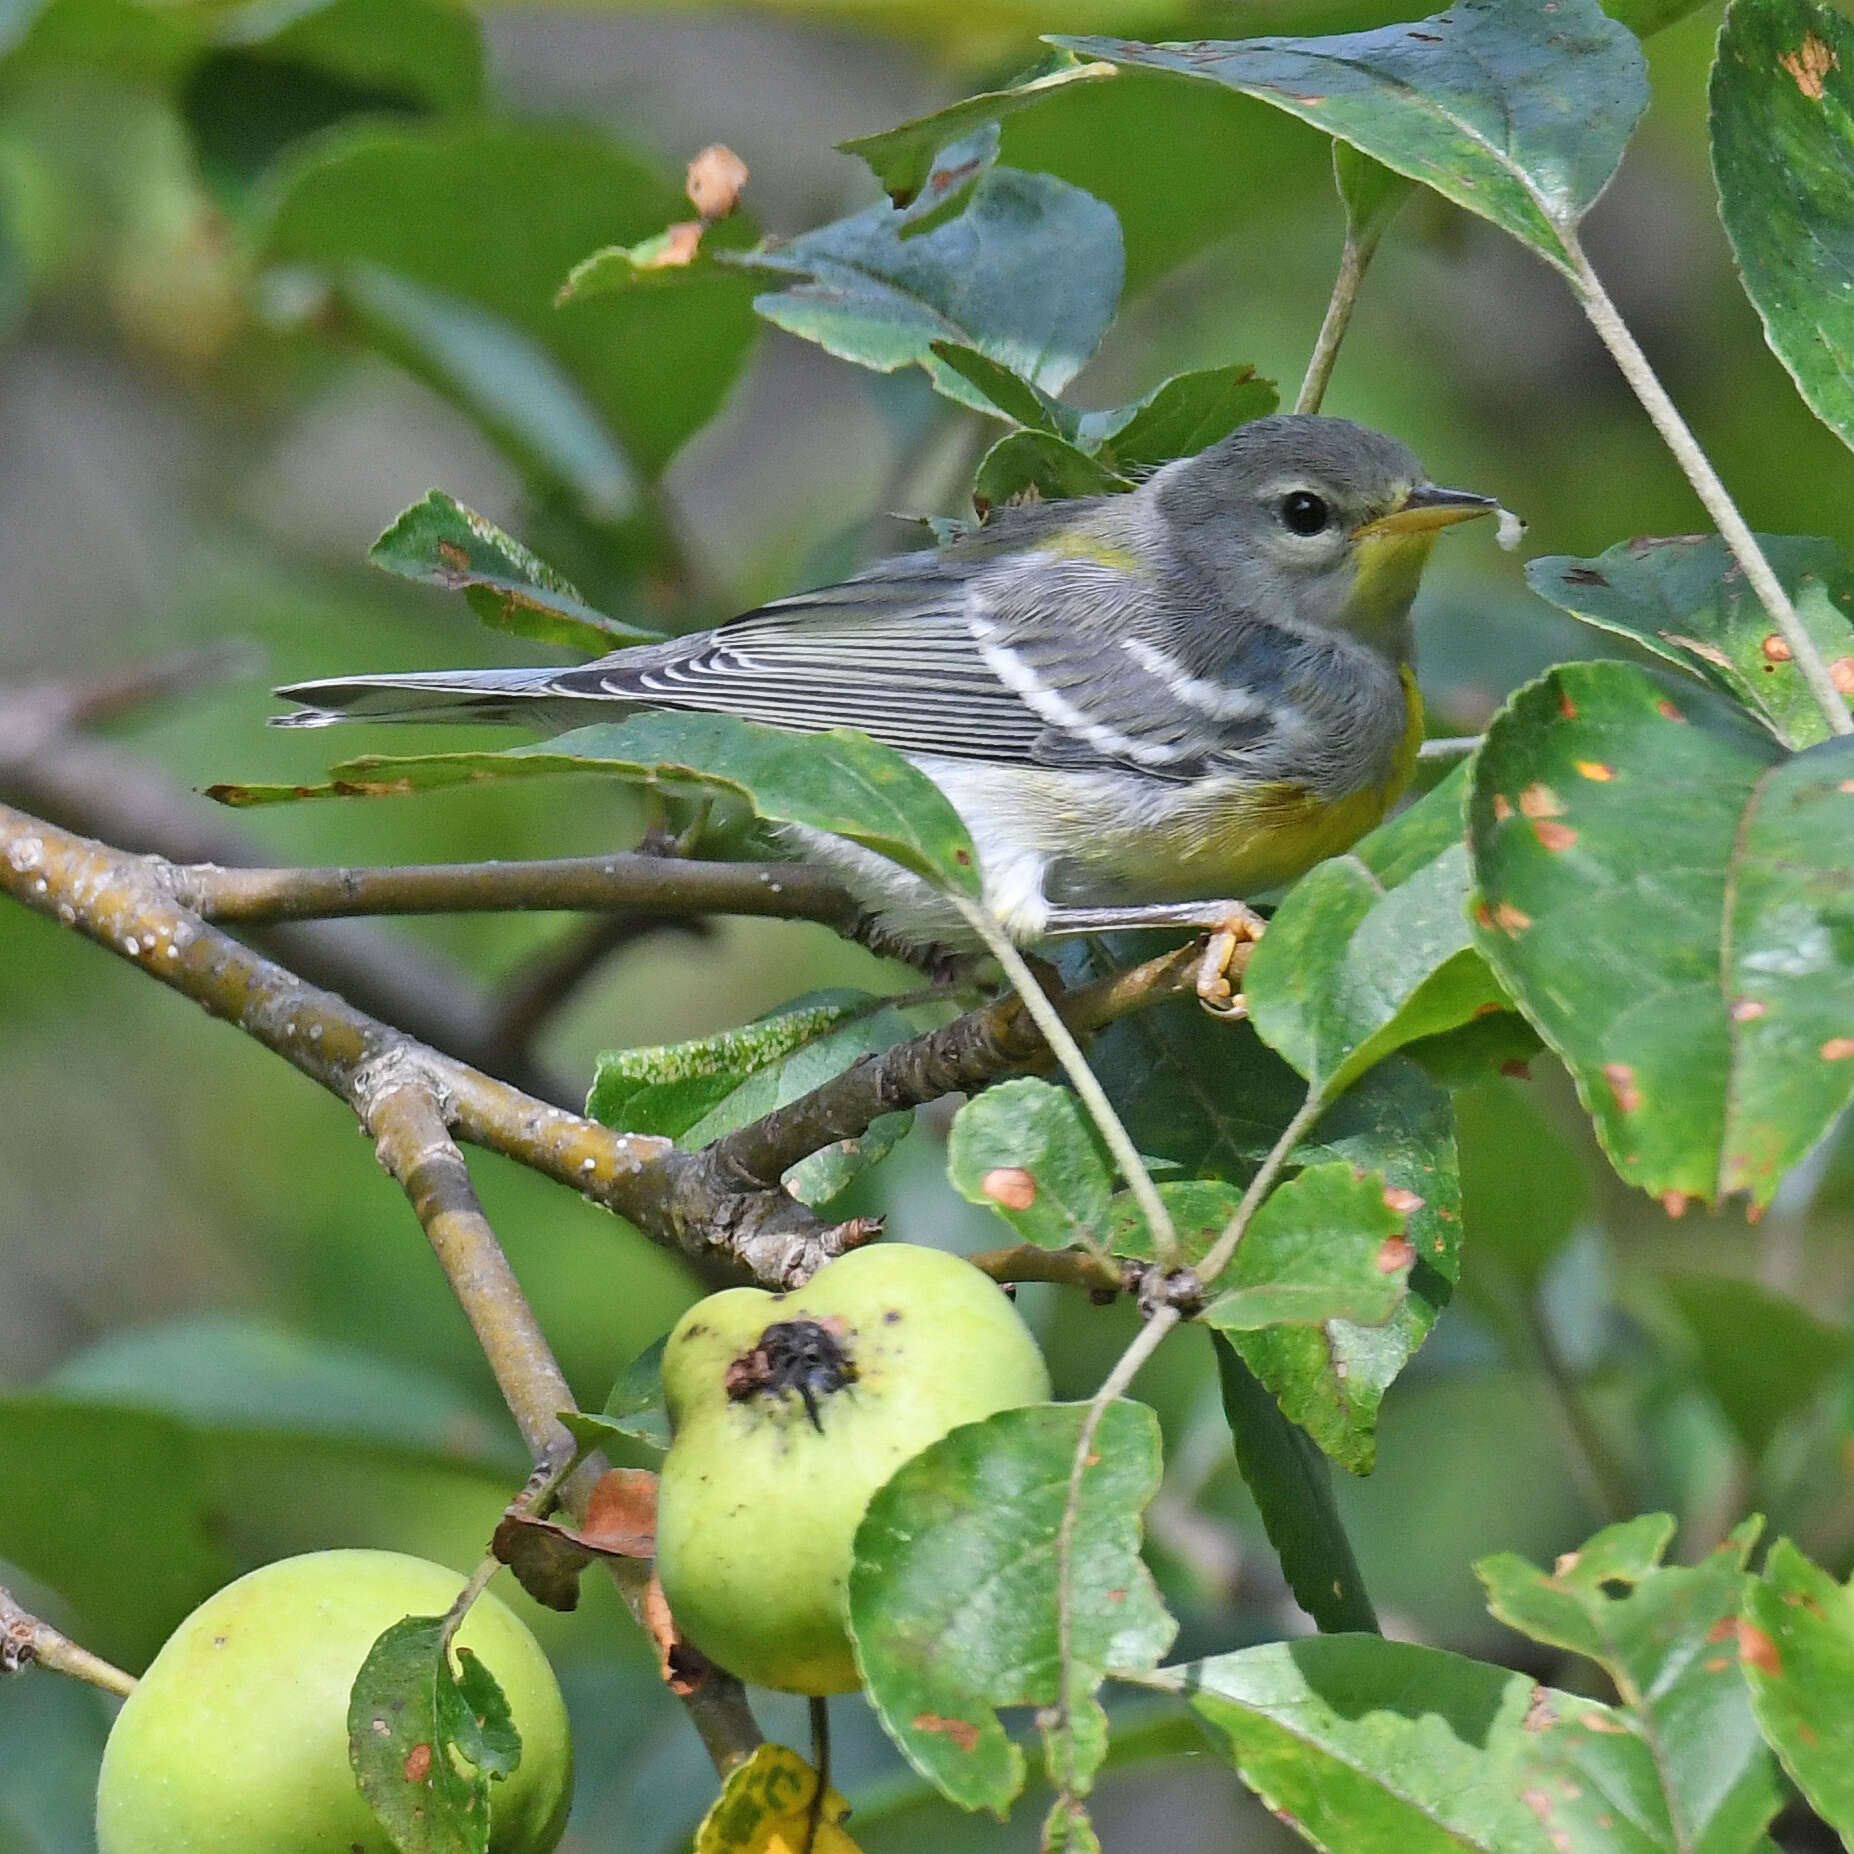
1511,530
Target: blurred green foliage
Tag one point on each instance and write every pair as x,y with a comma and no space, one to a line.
269,274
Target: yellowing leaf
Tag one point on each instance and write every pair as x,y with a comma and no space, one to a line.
765,1808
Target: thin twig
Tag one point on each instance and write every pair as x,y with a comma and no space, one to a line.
1083,1080
1145,1343
1224,1248
27,1641
633,882
1616,335
996,1039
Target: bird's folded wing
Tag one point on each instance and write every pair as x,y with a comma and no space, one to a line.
931,659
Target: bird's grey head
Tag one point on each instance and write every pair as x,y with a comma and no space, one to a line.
1318,521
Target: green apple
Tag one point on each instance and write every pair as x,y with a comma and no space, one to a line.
235,1741
787,1412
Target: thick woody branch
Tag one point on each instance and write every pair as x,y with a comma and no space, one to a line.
123,903
398,1106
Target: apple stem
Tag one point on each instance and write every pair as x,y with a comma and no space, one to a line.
27,1641
820,1762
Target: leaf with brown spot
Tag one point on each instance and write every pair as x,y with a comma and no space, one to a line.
1796,1645
1684,600
953,1591
1026,1150
1782,139
425,1740
1696,957
1518,114
1709,1782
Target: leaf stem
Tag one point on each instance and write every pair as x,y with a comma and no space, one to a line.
1615,334
1145,1343
1224,1248
1093,1096
1352,262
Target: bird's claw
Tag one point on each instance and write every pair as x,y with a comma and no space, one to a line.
1215,991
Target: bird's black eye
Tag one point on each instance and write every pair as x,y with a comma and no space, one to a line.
1304,512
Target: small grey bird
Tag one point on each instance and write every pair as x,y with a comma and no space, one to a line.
1135,702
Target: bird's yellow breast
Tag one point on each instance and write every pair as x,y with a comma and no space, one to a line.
1230,837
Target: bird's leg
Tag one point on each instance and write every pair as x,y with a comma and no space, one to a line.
1229,923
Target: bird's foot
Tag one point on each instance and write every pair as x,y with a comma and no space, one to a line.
1239,928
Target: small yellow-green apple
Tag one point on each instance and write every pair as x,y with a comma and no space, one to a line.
787,1412
235,1741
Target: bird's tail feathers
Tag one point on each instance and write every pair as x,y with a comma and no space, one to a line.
419,695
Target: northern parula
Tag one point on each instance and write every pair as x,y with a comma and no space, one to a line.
1191,692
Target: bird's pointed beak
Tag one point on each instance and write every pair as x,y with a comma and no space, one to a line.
1426,507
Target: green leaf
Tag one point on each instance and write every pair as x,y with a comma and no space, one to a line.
1371,194
1370,1744
431,50
1796,1643
1687,600
687,252
1373,949
636,1407
442,543
953,1593
1009,394
1210,1097
1670,899
1179,418
492,215
696,1092
410,1718
1292,1487
1040,465
840,781
1330,1379
1028,274
1517,114
1025,1149
1200,1210
1324,1246
274,76
1762,1357
1782,143
902,158
1659,1631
